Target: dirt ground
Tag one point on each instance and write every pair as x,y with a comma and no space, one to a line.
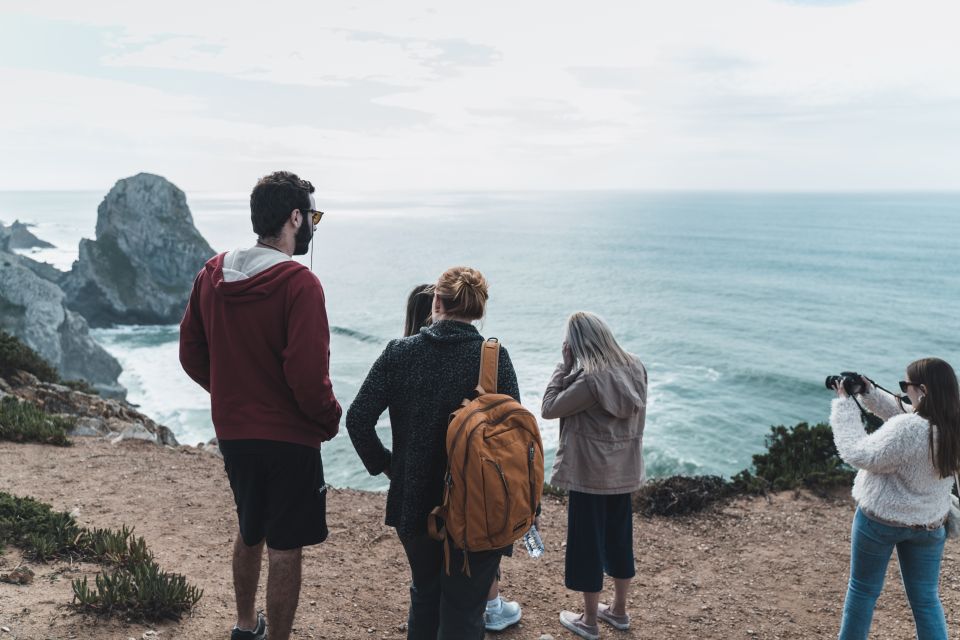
753,569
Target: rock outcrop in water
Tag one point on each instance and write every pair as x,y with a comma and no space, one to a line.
33,309
19,236
141,267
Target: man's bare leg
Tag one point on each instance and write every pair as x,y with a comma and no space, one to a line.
283,591
246,576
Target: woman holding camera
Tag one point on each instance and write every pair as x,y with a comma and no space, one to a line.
902,489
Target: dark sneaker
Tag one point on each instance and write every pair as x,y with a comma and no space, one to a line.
260,633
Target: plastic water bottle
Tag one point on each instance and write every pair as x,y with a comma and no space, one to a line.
533,543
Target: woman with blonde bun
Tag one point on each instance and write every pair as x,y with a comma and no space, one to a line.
421,380
499,613
599,393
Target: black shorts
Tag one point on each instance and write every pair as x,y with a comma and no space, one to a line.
279,491
599,540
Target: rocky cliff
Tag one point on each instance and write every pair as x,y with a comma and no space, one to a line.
20,237
141,266
33,309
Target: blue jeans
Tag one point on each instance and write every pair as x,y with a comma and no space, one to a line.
919,552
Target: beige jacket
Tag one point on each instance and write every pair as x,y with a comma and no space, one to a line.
602,416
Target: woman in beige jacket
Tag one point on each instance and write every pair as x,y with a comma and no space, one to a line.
601,404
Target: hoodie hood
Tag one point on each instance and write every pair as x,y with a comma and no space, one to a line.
451,331
620,391
241,264
249,275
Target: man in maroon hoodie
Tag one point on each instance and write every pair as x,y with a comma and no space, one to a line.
255,335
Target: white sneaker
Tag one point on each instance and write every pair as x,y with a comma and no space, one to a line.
508,614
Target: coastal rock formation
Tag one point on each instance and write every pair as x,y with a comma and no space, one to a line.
33,309
20,237
141,267
95,416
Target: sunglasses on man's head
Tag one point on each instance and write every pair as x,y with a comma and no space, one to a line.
904,384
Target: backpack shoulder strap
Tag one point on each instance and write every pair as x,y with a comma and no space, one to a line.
489,365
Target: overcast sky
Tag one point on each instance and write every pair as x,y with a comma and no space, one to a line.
519,94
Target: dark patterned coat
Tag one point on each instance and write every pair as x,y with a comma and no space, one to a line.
421,380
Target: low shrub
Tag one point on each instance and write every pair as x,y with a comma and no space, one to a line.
141,590
23,421
134,585
16,356
551,490
42,533
801,456
680,495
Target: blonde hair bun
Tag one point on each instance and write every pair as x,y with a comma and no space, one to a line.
464,292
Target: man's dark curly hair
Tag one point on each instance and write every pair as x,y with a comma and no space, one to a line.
274,198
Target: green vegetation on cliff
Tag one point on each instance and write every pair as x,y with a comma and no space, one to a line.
133,584
22,421
799,457
16,356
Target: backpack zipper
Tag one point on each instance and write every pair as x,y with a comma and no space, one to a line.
533,493
506,493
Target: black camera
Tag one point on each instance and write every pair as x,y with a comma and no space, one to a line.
851,380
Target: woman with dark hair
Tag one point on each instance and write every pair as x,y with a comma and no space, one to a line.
421,380
499,613
419,309
902,489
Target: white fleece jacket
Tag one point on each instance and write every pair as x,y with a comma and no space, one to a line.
897,480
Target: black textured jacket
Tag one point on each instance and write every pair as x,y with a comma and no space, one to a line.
421,380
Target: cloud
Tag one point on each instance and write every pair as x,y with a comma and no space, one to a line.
538,94
820,3
445,56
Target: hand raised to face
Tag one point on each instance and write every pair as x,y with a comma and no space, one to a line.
568,359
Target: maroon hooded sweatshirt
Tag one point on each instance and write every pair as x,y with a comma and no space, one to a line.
261,347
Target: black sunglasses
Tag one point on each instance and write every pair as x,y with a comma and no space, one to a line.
904,384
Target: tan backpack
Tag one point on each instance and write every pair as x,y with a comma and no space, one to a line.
494,477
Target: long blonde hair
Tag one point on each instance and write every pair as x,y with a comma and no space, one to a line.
593,344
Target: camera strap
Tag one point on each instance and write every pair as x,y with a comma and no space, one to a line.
866,416
863,412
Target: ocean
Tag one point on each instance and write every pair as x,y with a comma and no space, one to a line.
738,303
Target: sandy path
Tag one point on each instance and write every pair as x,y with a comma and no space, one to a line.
755,569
